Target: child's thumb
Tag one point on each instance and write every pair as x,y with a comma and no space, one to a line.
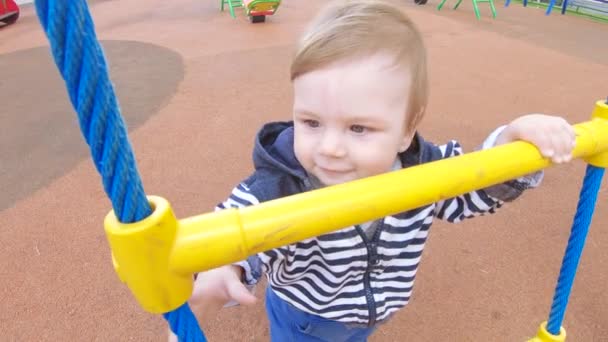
238,292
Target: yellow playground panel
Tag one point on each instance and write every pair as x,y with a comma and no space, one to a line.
156,257
256,10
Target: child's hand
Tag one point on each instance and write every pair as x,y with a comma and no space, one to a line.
552,135
213,289
216,287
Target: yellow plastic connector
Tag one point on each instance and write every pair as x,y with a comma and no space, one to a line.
599,113
141,253
544,336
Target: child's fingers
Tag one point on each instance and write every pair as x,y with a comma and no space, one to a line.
238,292
547,152
569,135
545,145
561,142
569,130
568,141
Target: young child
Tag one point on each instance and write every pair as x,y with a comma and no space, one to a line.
360,92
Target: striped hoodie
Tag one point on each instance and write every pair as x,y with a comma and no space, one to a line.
347,275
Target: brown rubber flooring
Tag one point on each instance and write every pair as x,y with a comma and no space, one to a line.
195,85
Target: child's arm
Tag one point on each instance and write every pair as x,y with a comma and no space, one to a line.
554,138
213,289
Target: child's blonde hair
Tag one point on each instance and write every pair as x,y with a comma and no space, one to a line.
349,29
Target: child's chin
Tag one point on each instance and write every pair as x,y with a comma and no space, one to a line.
336,181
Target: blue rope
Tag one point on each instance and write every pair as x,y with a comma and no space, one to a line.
580,228
80,59
183,324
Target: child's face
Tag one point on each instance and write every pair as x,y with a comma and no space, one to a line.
349,118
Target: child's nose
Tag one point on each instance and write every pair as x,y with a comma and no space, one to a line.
332,145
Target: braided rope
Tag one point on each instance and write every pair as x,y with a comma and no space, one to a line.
81,62
574,249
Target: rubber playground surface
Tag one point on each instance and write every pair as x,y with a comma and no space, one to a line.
195,85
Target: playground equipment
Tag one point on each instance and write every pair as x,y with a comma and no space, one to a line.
597,6
155,254
256,10
475,6
9,12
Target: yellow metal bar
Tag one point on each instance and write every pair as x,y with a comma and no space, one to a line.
211,240
164,253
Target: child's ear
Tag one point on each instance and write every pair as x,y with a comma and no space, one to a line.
407,140
409,134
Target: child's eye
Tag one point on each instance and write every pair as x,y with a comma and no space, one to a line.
358,128
311,123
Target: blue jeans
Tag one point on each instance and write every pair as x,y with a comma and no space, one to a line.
289,324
